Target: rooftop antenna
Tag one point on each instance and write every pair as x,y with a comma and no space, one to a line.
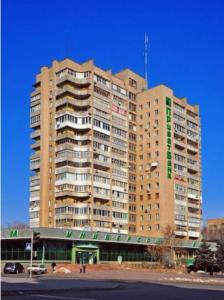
146,59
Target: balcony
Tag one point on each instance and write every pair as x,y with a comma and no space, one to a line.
192,119
194,205
193,234
76,93
119,220
74,102
193,196
180,223
70,124
193,149
180,173
194,177
179,122
123,210
180,144
182,113
70,193
181,233
194,139
70,157
103,165
35,134
101,196
101,218
194,167
73,137
194,225
71,216
194,215
35,164
35,124
35,145
76,81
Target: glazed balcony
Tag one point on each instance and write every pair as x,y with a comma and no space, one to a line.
79,82
180,233
71,216
70,157
119,220
195,234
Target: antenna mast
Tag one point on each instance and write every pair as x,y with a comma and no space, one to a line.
146,59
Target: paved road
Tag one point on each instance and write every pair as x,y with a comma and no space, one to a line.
133,291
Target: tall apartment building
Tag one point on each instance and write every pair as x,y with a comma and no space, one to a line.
112,156
81,120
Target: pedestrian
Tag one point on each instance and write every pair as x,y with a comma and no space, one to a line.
84,267
80,267
53,266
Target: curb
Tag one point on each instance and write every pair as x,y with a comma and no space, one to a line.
44,291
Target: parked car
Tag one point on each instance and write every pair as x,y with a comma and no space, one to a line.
210,269
37,269
13,268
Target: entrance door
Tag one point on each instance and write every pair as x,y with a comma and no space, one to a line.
87,257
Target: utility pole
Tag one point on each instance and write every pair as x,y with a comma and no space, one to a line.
31,255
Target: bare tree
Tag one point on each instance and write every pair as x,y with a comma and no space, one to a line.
165,250
17,225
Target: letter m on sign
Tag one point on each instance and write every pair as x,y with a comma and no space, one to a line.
13,233
68,234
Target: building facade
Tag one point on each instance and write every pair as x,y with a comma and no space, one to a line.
112,156
169,164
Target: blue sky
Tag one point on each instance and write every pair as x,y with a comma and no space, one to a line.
186,53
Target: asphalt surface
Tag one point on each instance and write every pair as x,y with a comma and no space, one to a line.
133,291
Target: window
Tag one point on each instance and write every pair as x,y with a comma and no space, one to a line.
156,101
157,205
157,227
132,96
133,83
148,104
156,112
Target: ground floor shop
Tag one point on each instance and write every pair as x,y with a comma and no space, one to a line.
81,247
